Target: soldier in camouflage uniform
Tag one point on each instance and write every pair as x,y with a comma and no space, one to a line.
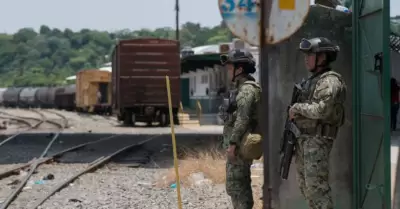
318,114
239,113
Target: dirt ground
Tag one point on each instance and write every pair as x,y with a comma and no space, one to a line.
130,186
212,165
90,123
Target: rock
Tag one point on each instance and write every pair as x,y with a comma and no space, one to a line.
198,180
14,182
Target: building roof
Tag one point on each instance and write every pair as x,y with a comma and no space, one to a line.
206,49
104,67
209,55
199,61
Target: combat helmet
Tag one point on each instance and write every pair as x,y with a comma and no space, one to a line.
320,45
239,58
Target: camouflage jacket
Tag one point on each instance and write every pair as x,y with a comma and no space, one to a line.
325,102
245,117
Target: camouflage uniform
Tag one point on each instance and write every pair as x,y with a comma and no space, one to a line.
238,177
319,116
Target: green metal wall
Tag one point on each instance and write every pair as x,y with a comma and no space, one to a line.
360,159
185,92
371,100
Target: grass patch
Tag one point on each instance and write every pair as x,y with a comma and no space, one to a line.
212,164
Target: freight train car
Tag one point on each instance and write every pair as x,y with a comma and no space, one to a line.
139,67
2,90
11,97
65,98
93,91
46,96
27,97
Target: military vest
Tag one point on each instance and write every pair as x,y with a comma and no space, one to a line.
228,109
255,115
337,116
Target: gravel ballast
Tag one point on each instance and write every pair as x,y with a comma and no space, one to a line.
113,186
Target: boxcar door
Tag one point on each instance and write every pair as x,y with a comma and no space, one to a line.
371,104
103,88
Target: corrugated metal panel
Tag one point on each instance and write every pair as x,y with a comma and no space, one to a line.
28,96
139,70
87,85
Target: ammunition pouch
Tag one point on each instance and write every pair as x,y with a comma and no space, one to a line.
324,130
251,146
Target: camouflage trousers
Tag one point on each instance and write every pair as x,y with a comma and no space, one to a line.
312,161
238,183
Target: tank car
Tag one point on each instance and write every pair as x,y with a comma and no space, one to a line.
46,95
65,98
27,97
11,97
2,90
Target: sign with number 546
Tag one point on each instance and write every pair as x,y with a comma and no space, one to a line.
243,16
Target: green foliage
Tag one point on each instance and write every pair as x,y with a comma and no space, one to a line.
48,56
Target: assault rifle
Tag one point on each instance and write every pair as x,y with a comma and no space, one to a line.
290,135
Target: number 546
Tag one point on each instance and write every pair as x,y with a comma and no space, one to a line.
230,5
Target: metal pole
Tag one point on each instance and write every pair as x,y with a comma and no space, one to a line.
265,7
177,20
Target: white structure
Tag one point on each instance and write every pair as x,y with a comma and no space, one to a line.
205,83
104,67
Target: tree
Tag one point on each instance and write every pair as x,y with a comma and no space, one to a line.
46,57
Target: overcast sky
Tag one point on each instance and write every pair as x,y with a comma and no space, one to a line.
110,15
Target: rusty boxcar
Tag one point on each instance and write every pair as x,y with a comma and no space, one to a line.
139,67
93,91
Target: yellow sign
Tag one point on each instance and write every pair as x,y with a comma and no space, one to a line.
287,4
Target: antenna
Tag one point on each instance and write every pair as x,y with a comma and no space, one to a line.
177,20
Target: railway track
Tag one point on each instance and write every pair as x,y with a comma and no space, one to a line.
34,164
25,120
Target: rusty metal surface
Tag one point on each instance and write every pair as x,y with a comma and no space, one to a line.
139,70
243,19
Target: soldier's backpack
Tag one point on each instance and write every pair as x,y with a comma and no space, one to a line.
251,144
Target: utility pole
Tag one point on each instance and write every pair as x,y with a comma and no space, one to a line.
177,20
265,6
